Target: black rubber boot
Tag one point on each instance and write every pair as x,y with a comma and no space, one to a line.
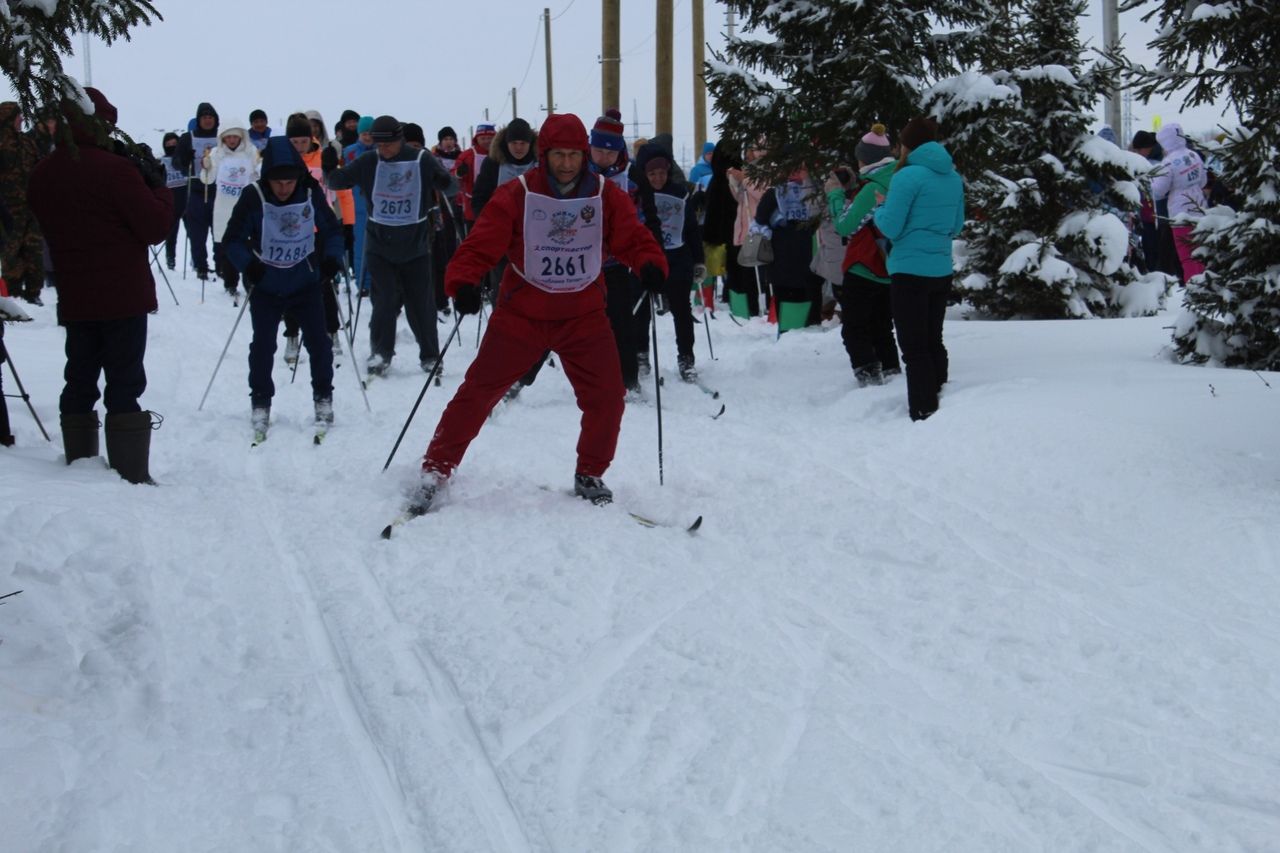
129,445
80,435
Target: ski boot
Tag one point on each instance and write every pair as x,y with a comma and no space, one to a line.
592,489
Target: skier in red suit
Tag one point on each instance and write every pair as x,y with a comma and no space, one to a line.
555,224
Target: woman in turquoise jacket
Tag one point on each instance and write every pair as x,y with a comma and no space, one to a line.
923,211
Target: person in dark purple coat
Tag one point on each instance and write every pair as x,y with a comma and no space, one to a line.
100,212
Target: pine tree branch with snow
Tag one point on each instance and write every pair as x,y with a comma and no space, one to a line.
1223,52
829,70
36,34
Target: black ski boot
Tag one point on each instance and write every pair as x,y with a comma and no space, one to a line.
80,435
688,373
592,489
869,374
129,445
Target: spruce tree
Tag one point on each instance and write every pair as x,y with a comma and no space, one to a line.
36,34
843,67
1213,52
1048,236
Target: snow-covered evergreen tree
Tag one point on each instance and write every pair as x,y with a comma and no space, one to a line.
1048,235
36,34
1216,51
843,66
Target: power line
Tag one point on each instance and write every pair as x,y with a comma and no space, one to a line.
565,9
537,33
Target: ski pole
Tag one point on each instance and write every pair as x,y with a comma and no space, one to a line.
479,324
26,398
155,256
248,294
425,385
657,380
351,348
707,316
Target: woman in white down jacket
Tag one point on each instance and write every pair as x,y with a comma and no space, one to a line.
230,167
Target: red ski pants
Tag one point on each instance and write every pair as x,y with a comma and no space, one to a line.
511,345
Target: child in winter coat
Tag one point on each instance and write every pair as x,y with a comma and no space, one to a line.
672,223
230,167
867,320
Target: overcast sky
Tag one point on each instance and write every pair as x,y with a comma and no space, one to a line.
430,62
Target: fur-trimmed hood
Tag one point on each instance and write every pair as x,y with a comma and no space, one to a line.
498,150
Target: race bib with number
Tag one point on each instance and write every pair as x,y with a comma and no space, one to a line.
671,215
233,177
173,178
563,240
288,232
397,192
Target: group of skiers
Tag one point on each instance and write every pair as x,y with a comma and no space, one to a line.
567,233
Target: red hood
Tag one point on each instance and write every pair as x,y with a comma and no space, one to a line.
563,130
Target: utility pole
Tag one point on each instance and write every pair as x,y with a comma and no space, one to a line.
665,34
546,34
514,112
610,55
88,67
731,22
699,82
1111,41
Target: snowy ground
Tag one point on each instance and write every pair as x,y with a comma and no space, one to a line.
1044,619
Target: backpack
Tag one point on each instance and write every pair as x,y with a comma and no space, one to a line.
867,246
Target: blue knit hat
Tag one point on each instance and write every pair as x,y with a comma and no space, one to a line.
365,124
607,131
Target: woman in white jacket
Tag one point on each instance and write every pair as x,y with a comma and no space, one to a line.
1181,179
232,166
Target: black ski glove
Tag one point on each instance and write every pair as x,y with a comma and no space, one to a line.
653,279
330,267
461,170
254,272
328,159
467,299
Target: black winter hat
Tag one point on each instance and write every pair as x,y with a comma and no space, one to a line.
446,132
387,129
349,115
519,131
257,114
1143,139
206,109
413,133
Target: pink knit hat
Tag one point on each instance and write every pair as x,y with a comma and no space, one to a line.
874,146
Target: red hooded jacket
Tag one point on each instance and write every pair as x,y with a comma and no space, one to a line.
499,232
98,218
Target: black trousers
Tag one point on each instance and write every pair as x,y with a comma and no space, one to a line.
179,208
402,285
114,348
867,323
743,280
623,291
198,219
329,290
919,306
265,311
225,269
676,289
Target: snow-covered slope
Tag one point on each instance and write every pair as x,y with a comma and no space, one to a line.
1043,619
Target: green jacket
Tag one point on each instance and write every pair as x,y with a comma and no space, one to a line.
848,219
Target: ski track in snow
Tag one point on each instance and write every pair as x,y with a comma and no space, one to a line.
1043,620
